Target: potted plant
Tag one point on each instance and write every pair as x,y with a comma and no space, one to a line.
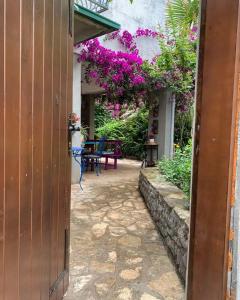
83,134
151,138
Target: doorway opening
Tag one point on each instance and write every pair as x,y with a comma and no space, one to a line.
204,179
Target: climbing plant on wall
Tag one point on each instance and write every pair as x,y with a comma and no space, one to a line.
119,73
176,65
126,77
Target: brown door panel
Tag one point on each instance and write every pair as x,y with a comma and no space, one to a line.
35,99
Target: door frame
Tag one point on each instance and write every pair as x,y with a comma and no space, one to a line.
215,151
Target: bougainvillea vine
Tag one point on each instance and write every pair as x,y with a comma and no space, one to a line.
115,71
124,75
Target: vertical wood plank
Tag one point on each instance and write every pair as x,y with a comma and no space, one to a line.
2,125
12,108
63,142
63,134
56,142
68,156
26,151
213,150
38,101
47,146
61,162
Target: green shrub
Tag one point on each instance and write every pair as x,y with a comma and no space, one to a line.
183,127
131,131
102,115
178,169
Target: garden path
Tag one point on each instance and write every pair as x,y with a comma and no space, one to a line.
116,252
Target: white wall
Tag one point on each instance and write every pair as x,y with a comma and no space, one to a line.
148,14
166,115
141,13
76,138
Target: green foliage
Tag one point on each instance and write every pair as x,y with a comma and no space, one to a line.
102,115
131,1
131,131
184,13
183,127
175,67
178,169
84,132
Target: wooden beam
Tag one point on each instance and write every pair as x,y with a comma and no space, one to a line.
214,147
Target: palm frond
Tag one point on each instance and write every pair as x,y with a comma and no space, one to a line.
183,12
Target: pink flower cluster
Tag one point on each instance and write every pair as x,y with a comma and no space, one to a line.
125,38
128,40
117,109
114,109
193,35
115,71
147,33
122,74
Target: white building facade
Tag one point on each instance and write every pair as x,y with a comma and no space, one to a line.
145,14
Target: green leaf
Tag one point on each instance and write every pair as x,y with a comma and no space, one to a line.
183,12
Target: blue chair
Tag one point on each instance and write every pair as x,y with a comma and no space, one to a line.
101,146
95,158
77,154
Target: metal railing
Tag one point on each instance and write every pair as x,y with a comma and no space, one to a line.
97,6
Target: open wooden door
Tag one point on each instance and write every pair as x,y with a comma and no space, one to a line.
35,100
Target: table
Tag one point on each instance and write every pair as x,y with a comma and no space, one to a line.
112,150
92,145
150,147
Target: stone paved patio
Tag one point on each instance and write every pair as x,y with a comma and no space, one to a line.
116,252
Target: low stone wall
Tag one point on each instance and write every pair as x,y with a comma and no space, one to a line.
166,205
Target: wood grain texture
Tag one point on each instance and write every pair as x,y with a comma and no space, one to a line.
2,148
12,144
56,141
213,150
47,144
37,116
35,92
68,155
26,166
63,135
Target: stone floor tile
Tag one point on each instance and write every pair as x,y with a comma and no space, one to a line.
116,252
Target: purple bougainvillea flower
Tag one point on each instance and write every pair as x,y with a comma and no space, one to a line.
194,29
121,73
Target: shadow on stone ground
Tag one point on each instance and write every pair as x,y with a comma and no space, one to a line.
116,252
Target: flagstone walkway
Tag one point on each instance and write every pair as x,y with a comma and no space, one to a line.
116,252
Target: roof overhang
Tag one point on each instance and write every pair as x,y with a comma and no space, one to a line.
89,25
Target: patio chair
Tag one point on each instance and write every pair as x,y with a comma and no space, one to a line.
95,158
114,153
77,154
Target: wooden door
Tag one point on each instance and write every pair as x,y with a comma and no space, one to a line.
35,100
